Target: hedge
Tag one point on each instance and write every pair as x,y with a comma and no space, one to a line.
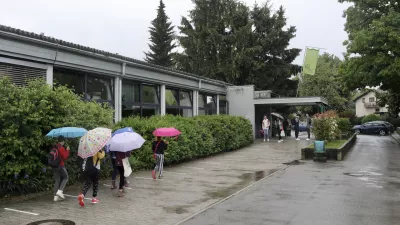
370,117
201,136
27,114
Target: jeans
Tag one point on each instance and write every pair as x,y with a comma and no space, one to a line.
60,177
308,132
266,134
296,132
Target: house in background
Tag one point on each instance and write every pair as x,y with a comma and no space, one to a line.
366,103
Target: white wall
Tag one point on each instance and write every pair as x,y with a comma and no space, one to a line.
241,102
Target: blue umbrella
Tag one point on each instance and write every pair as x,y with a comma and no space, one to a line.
123,130
67,132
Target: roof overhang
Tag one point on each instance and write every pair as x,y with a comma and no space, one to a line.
292,101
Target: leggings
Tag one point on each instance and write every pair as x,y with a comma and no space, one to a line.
95,180
121,177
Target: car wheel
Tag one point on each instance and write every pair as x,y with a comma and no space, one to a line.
382,132
357,132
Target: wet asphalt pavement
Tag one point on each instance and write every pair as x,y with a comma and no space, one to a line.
362,189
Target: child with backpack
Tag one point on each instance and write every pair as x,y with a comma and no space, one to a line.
158,147
91,170
57,157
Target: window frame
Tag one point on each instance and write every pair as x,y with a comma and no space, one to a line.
179,107
206,108
371,98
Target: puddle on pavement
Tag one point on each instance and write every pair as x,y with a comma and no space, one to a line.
53,222
245,180
178,209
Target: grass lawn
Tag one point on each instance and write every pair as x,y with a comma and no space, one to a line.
332,144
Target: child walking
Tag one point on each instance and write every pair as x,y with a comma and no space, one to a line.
92,177
159,146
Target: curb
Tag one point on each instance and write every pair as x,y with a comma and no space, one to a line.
230,196
396,138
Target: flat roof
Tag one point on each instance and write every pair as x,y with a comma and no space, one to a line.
291,101
58,42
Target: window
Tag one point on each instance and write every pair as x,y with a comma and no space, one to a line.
71,79
372,99
140,99
90,86
223,105
207,104
178,102
99,88
363,100
377,110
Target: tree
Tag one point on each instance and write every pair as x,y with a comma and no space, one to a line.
373,47
327,83
224,39
161,37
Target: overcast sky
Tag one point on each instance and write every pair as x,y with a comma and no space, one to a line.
121,26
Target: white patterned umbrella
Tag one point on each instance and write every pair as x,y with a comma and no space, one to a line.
93,141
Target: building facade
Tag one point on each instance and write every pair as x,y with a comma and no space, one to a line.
366,104
131,86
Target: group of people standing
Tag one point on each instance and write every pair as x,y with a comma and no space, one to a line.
91,170
285,126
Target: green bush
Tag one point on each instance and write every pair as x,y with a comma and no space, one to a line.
325,126
356,120
349,113
201,136
27,114
370,117
344,125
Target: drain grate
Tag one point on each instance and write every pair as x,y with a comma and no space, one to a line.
52,222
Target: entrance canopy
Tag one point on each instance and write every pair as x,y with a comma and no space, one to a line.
292,101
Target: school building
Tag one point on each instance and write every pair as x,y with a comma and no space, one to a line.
131,86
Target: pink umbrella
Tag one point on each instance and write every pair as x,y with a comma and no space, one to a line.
166,132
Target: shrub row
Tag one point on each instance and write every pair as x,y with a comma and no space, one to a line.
201,136
27,114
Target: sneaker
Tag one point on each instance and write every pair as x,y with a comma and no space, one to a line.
81,197
268,140
121,193
153,174
297,139
264,140
161,176
307,139
126,183
95,201
113,186
60,194
56,198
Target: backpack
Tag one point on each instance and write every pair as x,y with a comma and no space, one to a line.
88,168
53,159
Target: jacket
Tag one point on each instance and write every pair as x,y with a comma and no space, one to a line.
159,147
63,153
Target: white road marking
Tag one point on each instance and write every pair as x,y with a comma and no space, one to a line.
148,178
73,196
14,210
190,167
108,185
174,172
211,163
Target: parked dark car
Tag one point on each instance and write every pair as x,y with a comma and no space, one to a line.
389,125
371,128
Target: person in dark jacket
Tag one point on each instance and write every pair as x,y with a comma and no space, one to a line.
115,172
296,122
120,166
158,147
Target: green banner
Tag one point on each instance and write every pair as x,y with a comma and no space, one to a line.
310,61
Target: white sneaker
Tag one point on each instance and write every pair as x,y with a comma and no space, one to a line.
60,194
56,198
307,139
268,140
264,140
297,139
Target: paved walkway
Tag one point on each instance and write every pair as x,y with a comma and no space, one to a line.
185,189
361,190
